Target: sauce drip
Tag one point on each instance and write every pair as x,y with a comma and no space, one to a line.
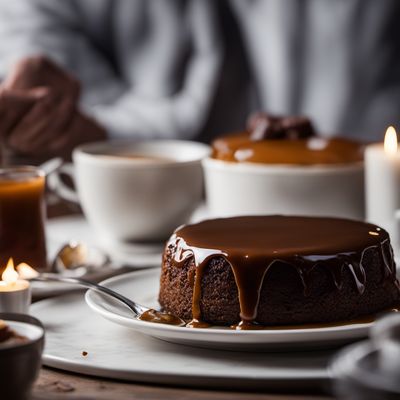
252,245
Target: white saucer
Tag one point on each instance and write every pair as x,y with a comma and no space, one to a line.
120,353
62,230
142,286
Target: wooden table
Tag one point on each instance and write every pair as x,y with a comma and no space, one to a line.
54,385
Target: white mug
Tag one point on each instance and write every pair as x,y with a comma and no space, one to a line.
128,198
252,188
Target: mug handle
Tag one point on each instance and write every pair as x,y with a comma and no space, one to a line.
57,185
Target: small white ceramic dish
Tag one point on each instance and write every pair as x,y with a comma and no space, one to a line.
142,286
62,230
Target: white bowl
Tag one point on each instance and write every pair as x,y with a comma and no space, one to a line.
20,362
252,188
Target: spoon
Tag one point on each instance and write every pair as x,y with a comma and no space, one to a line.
76,259
141,312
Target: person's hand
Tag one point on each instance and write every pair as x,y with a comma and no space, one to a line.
39,71
35,125
38,111
51,126
14,104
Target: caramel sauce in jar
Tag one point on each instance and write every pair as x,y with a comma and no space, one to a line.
22,214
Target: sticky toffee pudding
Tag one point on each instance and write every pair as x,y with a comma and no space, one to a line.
277,271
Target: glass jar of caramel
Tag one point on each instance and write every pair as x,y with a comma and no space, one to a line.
22,214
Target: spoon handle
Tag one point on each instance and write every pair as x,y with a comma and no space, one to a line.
135,307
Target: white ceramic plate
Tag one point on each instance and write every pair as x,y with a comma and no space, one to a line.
120,353
142,286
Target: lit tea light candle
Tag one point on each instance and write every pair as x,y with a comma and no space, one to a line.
15,293
382,184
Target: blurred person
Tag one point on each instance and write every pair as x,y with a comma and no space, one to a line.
81,70
136,69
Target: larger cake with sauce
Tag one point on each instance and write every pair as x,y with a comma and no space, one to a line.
277,270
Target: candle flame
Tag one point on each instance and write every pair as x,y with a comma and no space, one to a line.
25,271
390,142
10,275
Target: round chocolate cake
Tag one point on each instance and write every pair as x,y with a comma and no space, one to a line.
277,270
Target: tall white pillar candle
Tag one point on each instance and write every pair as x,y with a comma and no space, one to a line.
382,184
